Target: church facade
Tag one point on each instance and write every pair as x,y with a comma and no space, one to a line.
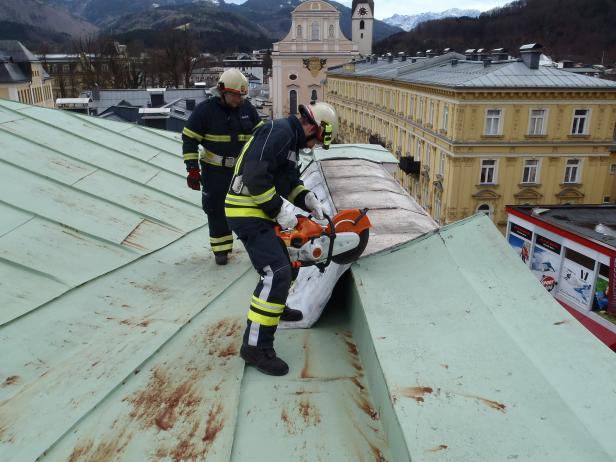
314,44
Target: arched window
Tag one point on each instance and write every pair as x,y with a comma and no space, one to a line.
315,31
293,102
299,31
313,97
485,208
331,31
361,25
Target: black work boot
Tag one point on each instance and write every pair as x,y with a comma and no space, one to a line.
221,258
264,359
291,315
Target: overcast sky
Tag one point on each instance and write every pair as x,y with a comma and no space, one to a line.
387,8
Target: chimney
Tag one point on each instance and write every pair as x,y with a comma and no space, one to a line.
469,54
190,104
157,96
402,56
96,93
500,54
375,59
454,62
487,62
390,58
350,66
531,52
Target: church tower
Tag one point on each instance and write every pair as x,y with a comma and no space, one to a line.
362,25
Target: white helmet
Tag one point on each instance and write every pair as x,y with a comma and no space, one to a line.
234,81
321,114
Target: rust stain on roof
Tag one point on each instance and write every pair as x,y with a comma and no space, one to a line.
103,451
305,374
416,393
12,380
309,413
440,447
215,424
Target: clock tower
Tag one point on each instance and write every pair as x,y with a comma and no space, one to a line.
362,25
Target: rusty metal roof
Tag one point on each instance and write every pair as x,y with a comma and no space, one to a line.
119,334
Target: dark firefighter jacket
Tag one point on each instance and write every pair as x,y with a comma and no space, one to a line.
268,170
221,130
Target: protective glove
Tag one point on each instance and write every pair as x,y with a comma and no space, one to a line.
193,180
314,205
286,217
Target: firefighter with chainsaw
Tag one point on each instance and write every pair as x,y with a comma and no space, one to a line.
222,125
264,191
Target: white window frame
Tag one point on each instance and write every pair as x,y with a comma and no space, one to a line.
575,130
441,164
536,167
315,27
532,126
431,113
499,123
487,168
421,108
445,120
613,169
576,168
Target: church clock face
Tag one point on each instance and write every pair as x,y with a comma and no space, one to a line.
363,11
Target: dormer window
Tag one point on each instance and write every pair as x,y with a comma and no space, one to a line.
298,32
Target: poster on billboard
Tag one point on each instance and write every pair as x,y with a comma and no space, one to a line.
521,247
576,283
545,262
611,306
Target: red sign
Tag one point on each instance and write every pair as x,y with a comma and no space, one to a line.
611,304
522,232
548,244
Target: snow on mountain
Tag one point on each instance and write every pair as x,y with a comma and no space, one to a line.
408,22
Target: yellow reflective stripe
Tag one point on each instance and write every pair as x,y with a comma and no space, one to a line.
217,138
258,125
220,248
241,156
191,156
267,306
246,212
216,240
243,137
298,189
264,197
240,200
189,133
263,320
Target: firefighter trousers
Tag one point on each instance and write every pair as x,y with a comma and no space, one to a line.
270,258
215,182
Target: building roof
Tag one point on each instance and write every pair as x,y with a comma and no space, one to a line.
594,222
454,71
122,332
140,97
17,51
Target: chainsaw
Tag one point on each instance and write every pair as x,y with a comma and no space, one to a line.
342,240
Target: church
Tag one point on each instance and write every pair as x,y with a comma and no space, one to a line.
314,43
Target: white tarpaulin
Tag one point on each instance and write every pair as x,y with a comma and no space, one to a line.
348,184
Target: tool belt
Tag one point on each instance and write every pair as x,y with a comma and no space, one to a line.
221,161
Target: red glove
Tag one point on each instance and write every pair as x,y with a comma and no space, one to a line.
193,180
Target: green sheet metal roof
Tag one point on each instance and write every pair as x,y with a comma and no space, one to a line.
472,359
372,152
119,334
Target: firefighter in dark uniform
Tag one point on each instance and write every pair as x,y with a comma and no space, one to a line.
222,125
264,192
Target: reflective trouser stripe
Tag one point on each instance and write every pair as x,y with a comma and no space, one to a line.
221,244
266,306
262,317
243,138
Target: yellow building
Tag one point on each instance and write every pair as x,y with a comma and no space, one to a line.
22,77
479,132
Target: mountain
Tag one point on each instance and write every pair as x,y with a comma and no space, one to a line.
580,30
274,16
409,22
33,21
